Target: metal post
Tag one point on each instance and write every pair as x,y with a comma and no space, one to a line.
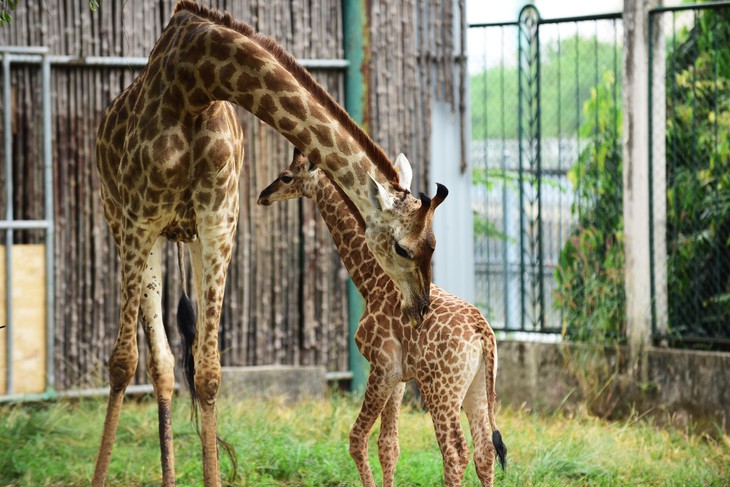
8,139
49,217
355,30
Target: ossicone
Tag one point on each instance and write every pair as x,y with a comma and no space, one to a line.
441,193
428,205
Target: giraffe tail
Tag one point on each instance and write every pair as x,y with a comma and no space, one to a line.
186,328
490,368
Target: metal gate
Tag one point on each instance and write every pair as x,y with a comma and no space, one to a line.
531,81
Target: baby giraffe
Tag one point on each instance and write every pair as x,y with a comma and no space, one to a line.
452,355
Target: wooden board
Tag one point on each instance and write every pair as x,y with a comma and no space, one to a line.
29,319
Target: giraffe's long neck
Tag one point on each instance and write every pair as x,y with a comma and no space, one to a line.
211,57
348,233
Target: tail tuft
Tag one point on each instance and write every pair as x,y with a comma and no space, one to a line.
186,327
500,448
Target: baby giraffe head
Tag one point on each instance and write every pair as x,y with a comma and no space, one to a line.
402,246
298,180
401,238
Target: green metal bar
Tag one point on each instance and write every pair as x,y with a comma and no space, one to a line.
675,189
715,153
538,155
652,284
558,20
505,220
695,300
357,44
582,18
692,6
520,173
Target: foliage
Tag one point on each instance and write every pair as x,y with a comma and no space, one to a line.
306,445
590,272
6,6
569,70
698,178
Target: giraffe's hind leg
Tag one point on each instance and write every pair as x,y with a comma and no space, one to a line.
444,393
160,362
452,442
211,256
388,446
133,250
476,408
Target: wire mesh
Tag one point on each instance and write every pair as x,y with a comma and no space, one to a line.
690,98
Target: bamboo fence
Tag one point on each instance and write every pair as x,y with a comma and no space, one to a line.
286,294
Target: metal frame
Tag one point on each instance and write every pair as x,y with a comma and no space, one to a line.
10,55
32,55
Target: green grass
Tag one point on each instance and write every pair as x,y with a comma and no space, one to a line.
306,445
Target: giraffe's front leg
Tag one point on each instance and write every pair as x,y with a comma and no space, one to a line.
388,446
160,362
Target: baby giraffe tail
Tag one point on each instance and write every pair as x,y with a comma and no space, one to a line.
490,366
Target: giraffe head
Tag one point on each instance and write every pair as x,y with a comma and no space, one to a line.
402,240
298,180
403,250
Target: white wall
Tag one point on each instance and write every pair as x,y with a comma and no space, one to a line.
453,261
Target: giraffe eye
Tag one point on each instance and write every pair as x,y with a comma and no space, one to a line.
286,179
401,251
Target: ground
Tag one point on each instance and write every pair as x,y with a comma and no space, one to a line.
306,445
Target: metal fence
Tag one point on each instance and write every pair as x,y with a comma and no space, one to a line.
690,95
544,96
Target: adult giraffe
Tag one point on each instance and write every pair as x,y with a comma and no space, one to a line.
169,152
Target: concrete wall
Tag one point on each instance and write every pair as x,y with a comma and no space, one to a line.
292,383
684,385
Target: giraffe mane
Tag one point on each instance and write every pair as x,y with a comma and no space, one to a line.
225,19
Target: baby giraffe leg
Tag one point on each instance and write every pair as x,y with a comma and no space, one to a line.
476,408
160,362
451,440
378,390
388,447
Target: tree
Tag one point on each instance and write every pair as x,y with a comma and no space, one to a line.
570,69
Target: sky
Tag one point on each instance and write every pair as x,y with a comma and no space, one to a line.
488,11
478,11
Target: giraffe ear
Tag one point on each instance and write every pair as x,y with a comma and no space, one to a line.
379,196
405,173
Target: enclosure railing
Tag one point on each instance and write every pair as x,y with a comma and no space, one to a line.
545,149
10,224
689,94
